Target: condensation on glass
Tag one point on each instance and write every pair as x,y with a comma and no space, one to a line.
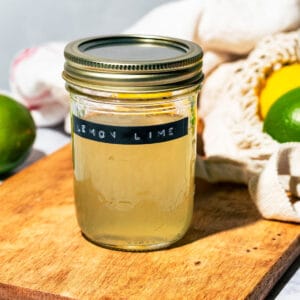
133,110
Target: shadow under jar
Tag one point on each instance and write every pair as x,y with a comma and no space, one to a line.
133,110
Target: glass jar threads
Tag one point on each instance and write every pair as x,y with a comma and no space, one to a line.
133,110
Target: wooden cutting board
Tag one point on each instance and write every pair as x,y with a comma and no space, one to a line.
229,252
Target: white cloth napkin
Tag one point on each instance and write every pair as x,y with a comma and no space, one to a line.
223,28
226,29
35,79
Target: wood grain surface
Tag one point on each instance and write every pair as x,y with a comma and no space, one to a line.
228,253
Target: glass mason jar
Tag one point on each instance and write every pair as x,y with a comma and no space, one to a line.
133,110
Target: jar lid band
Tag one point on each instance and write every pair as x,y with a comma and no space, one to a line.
128,63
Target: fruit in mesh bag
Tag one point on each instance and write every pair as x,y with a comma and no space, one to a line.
278,86
278,83
17,133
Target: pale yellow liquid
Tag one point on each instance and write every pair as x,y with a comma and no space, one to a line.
134,197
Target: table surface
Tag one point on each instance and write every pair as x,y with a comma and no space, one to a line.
288,286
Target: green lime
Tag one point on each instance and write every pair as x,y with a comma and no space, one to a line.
282,122
17,133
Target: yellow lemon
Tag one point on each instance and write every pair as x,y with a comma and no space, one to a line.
279,82
17,133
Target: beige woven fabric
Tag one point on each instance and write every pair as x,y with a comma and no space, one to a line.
236,149
233,135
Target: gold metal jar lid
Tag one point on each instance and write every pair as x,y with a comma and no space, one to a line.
128,63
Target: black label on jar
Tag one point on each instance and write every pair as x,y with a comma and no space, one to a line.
135,135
